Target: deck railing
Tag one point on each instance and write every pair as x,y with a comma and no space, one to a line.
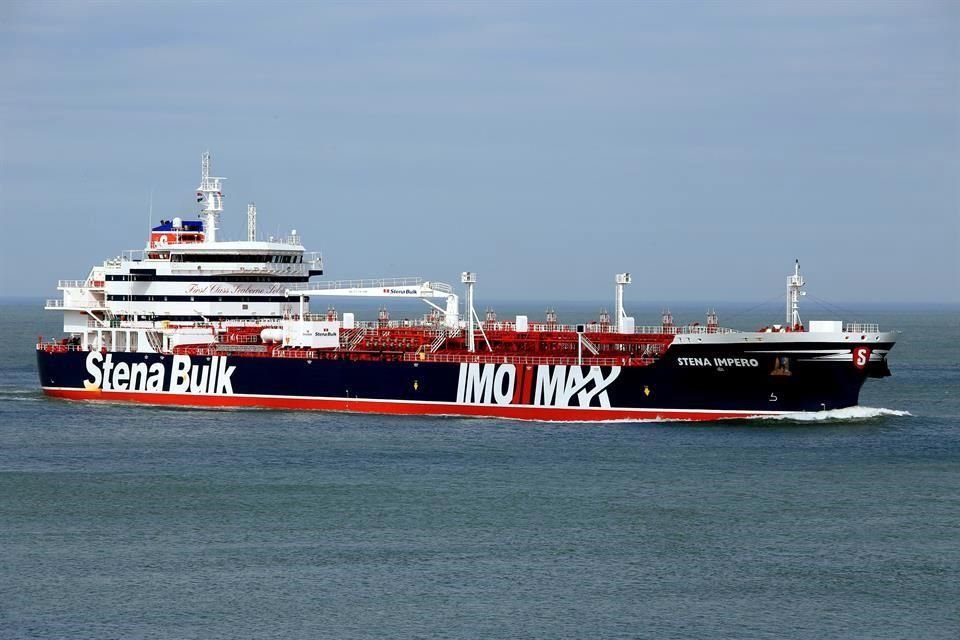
862,327
56,347
80,284
376,325
366,283
60,304
303,354
492,358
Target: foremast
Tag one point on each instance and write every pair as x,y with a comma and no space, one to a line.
795,284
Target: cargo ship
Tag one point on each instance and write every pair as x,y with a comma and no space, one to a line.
193,320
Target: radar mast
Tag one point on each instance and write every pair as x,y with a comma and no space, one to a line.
210,197
794,285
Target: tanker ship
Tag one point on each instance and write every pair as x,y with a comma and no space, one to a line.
192,320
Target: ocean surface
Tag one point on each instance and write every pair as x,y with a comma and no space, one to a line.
137,522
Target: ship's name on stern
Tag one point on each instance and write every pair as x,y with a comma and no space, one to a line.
718,362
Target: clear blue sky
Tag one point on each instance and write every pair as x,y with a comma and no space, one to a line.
701,146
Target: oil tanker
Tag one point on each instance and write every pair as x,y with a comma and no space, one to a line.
192,320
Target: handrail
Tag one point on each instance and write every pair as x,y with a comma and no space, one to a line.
376,325
363,283
596,327
862,327
61,304
488,358
56,347
80,284
271,268
305,354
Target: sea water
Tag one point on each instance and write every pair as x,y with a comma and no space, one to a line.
121,521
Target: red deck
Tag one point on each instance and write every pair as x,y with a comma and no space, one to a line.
423,344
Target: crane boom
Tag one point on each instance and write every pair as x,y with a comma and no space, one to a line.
385,288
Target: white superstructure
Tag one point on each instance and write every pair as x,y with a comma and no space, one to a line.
185,275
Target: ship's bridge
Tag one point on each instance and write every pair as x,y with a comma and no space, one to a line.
176,231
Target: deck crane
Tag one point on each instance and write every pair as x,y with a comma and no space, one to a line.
385,288
425,290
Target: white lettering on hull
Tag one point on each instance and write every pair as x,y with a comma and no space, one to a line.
552,386
480,383
185,377
558,387
718,362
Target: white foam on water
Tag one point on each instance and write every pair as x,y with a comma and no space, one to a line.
849,413
20,395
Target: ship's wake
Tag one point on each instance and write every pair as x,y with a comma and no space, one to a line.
14,394
849,414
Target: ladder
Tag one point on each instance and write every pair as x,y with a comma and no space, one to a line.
438,341
589,346
355,339
155,340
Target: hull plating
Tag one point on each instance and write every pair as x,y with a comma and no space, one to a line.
688,383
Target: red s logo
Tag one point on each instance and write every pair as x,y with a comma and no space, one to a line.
861,356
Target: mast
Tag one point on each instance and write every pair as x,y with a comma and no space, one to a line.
619,314
251,222
794,285
210,197
469,278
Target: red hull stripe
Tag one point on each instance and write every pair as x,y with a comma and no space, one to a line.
527,384
401,407
518,386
